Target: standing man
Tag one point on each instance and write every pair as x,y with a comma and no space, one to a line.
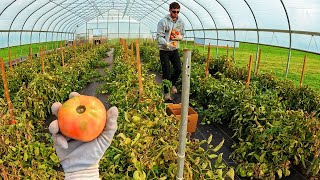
169,32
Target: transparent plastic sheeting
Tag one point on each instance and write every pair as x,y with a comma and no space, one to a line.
256,21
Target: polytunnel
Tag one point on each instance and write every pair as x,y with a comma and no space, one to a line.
252,119
278,23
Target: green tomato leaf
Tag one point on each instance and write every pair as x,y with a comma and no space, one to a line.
54,158
230,173
36,151
25,156
210,139
219,146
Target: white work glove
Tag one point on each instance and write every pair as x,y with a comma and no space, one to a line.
80,159
170,45
178,37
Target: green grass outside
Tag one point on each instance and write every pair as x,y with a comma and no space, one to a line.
274,60
23,50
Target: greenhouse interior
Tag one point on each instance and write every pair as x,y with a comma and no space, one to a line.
146,89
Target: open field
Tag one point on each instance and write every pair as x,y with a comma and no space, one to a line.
23,50
274,60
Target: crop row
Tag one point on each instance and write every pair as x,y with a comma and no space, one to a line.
145,145
26,148
275,123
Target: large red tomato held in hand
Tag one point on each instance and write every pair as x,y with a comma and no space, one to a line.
82,118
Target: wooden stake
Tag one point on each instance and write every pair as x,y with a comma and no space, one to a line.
207,63
303,69
6,91
15,56
75,50
258,65
249,72
87,41
55,48
132,52
44,53
126,50
227,52
10,59
62,54
42,59
30,53
81,46
139,70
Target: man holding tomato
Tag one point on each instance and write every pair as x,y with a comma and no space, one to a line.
80,160
170,31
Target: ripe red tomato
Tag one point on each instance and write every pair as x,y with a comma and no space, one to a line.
174,32
82,118
174,43
171,37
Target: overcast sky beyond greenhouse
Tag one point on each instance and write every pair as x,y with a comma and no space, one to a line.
225,17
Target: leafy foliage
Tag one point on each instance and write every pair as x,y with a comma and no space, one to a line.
26,148
147,138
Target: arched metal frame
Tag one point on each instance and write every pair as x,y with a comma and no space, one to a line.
28,18
24,21
155,19
15,19
7,7
63,24
258,35
43,23
70,19
234,31
204,33
290,38
215,25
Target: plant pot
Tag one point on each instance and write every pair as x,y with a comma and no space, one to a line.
175,109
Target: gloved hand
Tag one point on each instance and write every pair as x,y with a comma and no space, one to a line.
178,37
80,159
170,45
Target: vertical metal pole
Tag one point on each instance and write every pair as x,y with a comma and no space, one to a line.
108,25
97,24
290,38
139,30
204,39
129,29
87,37
118,23
57,40
234,31
217,47
258,37
184,111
